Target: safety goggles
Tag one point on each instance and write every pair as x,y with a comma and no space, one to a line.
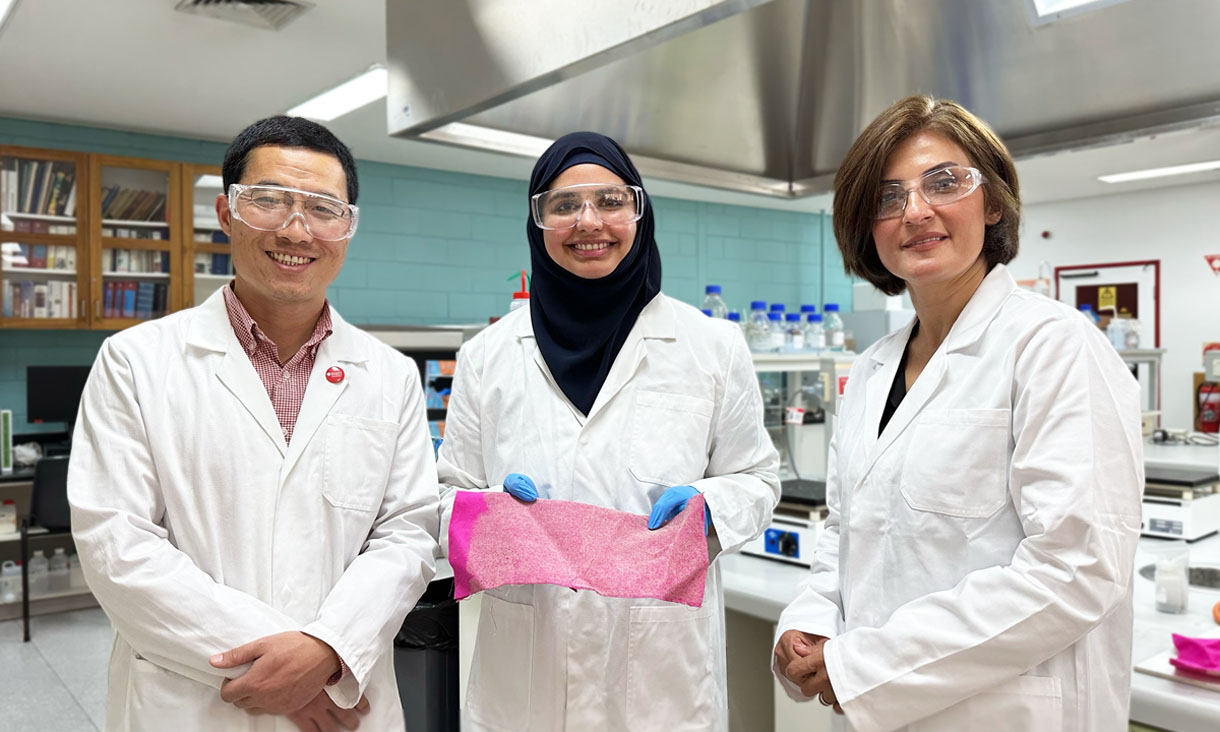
562,208
272,208
936,188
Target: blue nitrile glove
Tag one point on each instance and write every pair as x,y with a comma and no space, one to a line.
520,487
671,502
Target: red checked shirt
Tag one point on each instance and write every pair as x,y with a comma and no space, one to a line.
285,384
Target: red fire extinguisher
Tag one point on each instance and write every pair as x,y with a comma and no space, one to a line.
1208,397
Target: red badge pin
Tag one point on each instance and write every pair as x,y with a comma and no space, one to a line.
334,374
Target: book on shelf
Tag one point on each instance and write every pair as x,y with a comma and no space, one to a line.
28,299
130,204
38,256
144,299
40,187
129,299
8,183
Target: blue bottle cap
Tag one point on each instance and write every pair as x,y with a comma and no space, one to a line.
815,318
778,307
706,312
712,289
793,317
758,304
734,316
831,307
773,315
809,308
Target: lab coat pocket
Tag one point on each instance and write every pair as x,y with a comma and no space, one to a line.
1019,705
669,437
500,672
357,454
957,462
670,684
156,696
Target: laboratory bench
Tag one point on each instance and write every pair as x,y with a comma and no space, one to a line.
759,589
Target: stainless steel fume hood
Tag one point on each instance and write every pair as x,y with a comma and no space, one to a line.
765,96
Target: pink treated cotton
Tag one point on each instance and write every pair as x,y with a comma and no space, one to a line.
496,540
1201,655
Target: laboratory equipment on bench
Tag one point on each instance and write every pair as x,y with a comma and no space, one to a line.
795,524
1181,503
789,539
801,392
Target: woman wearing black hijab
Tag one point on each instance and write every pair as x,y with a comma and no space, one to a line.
607,392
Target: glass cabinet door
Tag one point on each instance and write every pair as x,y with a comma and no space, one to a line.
43,258
134,264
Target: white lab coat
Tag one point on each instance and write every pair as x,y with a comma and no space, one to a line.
680,406
975,570
199,530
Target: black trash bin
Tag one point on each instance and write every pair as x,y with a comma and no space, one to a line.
426,662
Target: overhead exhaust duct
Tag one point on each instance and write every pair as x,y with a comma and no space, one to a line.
765,96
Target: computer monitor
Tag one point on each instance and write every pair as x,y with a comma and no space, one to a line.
52,393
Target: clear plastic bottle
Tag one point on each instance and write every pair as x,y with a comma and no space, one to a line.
815,336
735,319
520,300
776,324
57,578
715,303
8,517
758,329
40,571
10,582
794,333
833,327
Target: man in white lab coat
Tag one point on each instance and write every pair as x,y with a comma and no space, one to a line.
252,483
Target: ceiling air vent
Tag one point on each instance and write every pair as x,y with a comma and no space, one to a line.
268,14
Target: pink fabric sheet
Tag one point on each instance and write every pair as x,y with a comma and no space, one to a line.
496,540
1201,655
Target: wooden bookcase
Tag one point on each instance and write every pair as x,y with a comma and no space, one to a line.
129,241
120,220
33,226
207,265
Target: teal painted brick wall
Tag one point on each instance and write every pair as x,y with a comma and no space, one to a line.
436,247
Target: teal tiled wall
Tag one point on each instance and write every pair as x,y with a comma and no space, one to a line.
437,247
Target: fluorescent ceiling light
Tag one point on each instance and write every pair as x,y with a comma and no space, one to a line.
1048,11
488,138
210,181
347,97
1160,172
6,9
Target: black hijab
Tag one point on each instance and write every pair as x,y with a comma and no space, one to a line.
581,324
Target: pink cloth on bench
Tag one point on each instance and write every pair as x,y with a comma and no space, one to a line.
1197,654
496,540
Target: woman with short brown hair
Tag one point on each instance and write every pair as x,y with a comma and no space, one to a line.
985,474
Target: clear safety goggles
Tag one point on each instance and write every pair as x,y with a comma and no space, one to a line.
562,208
272,208
936,188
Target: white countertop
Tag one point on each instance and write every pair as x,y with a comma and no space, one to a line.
763,588
1178,455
